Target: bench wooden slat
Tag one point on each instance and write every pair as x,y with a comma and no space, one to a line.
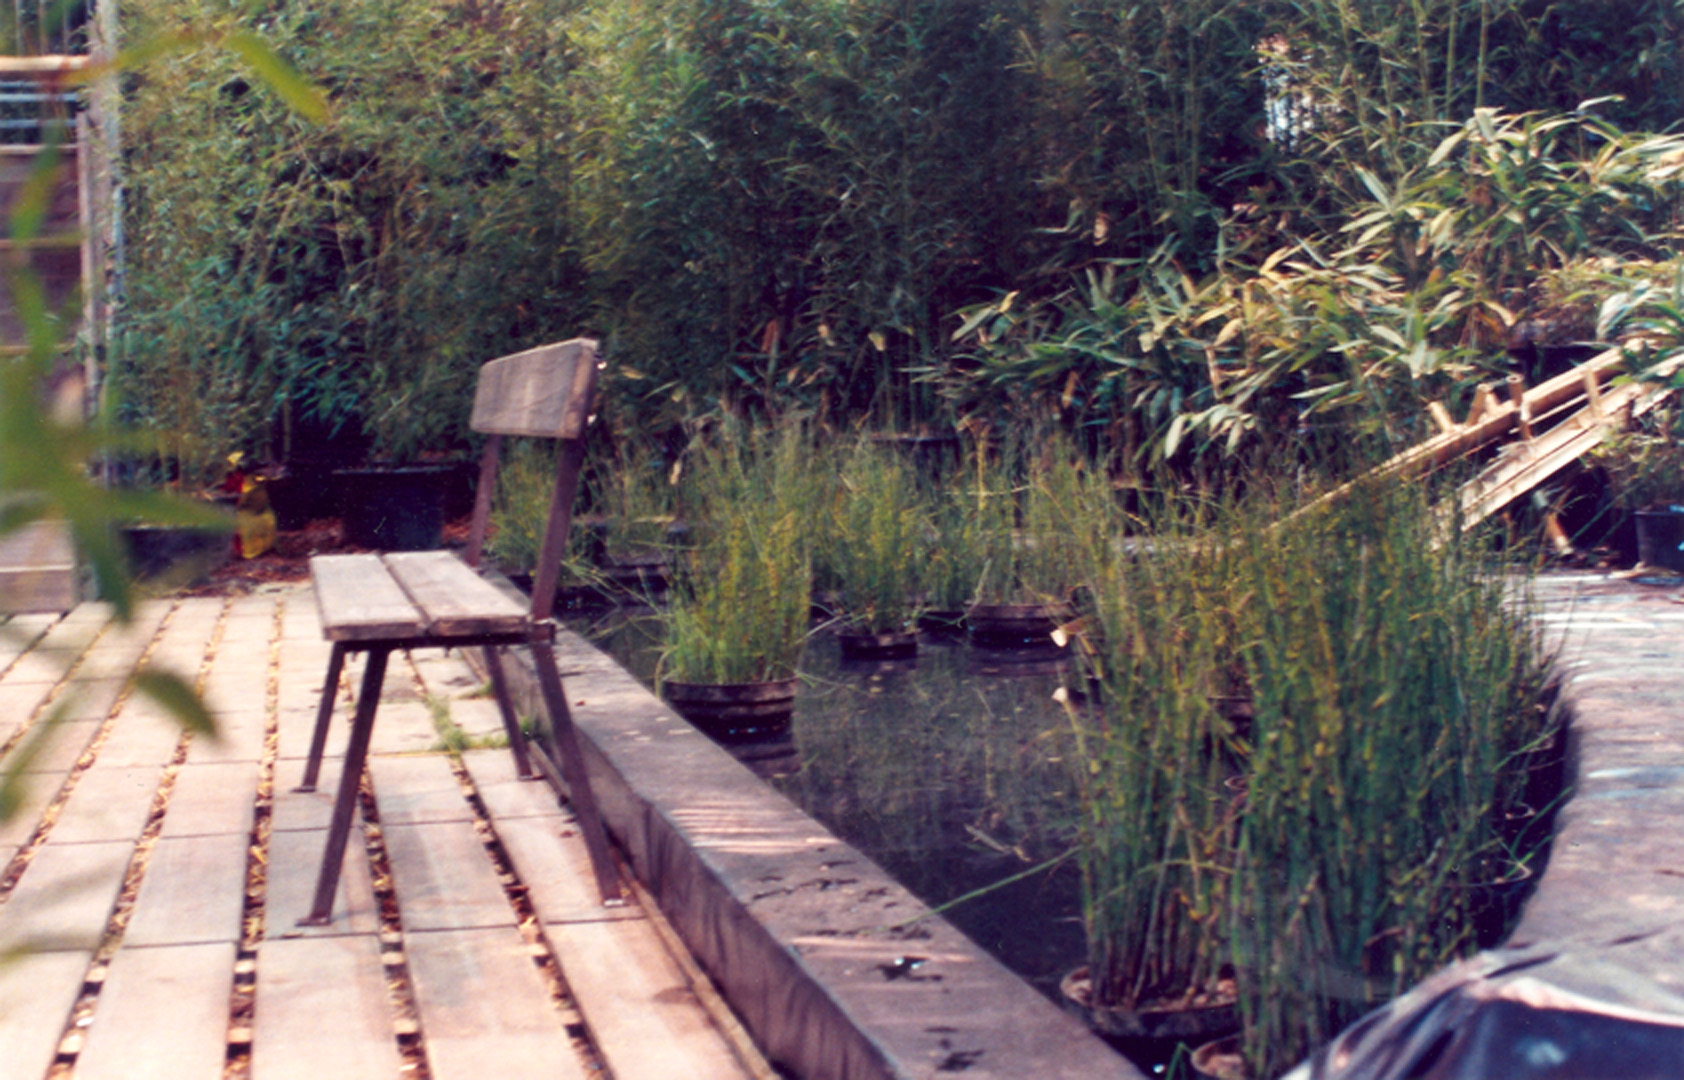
359,601
545,392
454,600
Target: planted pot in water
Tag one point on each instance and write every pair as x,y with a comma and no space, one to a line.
1197,1016
734,712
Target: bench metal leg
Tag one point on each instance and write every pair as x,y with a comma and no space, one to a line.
506,706
566,743
345,804
324,716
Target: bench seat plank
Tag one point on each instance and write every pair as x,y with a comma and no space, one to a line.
454,600
359,601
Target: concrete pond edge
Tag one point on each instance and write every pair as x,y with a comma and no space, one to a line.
837,971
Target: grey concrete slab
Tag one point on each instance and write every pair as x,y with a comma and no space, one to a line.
212,799
108,802
141,734
193,892
296,725
295,858
37,992
549,857
292,809
324,1012
65,897
240,737
89,699
485,1011
162,1015
418,790
504,794
641,1010
62,745
403,726
444,878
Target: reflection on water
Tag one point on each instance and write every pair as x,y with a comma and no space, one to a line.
949,772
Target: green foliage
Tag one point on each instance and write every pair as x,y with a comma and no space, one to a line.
293,280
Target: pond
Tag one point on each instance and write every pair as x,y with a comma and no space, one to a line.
949,771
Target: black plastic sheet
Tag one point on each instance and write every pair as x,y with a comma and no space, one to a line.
1518,1014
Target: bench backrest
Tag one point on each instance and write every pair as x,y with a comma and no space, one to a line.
547,392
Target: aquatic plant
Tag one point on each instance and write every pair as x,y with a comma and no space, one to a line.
1317,838
878,539
740,600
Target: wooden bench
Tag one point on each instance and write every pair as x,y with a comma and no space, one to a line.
409,600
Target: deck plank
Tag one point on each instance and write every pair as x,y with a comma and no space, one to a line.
163,1015
324,1013
212,799
294,859
418,790
638,1005
359,601
37,992
193,892
549,857
444,878
506,795
107,803
65,897
484,1009
64,747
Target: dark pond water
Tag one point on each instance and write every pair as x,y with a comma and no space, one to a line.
949,771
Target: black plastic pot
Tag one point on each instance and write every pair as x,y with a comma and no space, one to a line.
394,508
1660,537
176,554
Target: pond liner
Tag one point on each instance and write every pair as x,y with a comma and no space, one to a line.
1526,1013
835,968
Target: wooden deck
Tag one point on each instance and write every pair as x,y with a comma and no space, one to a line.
151,883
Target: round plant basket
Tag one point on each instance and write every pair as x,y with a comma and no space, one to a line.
865,645
1199,1020
1660,538
1006,626
734,711
638,575
770,758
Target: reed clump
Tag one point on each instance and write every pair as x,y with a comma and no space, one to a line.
1302,733
878,539
739,605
